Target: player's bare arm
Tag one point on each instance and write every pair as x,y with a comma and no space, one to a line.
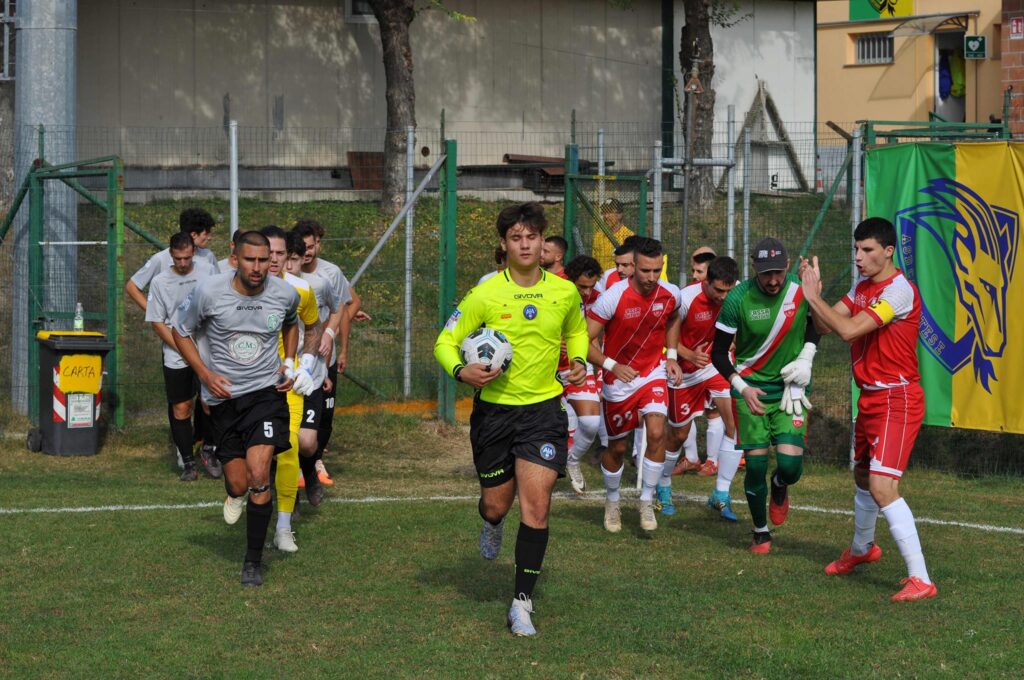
344,329
722,362
598,358
218,385
137,296
163,331
675,373
326,341
835,318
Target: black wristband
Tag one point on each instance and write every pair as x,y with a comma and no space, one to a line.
581,362
457,372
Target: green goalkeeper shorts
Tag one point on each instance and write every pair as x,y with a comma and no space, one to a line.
755,432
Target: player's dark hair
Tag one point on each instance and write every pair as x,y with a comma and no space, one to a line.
701,258
562,244
628,246
648,247
877,228
295,243
304,229
252,238
582,265
316,228
195,221
530,215
182,239
723,269
274,231
500,256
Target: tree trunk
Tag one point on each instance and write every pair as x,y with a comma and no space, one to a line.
393,19
696,48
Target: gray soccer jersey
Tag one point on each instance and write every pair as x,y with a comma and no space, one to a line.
238,334
329,283
167,291
225,265
162,261
319,372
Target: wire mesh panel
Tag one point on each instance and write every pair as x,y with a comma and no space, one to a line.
606,211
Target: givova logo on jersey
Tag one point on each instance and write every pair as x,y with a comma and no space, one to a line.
981,252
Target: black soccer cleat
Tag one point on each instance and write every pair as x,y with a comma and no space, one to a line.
189,473
252,574
207,454
314,491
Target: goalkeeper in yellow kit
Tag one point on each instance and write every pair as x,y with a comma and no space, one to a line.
519,428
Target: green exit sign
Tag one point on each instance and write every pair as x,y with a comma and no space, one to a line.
975,47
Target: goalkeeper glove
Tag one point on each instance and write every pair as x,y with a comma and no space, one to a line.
794,401
798,371
304,384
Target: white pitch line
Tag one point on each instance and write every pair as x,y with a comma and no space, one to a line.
589,496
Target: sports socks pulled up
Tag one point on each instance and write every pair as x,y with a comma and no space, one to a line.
586,431
612,480
904,531
671,458
728,464
690,445
531,544
651,475
181,434
714,435
257,519
755,484
865,516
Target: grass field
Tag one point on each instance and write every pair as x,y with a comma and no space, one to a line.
388,581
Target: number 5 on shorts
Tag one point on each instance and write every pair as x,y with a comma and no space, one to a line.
268,428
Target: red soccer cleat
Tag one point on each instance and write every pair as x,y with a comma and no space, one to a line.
778,511
762,543
685,466
915,589
302,482
708,469
847,561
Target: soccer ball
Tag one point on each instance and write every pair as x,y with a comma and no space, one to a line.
487,346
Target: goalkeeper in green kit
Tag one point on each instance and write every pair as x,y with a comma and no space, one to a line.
769,320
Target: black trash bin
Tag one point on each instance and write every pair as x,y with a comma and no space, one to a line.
70,378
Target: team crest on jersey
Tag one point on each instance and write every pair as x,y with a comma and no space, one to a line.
798,421
244,348
547,451
789,309
273,322
657,307
703,316
632,313
658,391
981,252
530,312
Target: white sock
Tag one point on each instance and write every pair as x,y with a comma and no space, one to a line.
602,432
611,483
865,516
586,430
571,416
728,463
639,441
284,520
903,529
671,458
714,436
690,445
651,475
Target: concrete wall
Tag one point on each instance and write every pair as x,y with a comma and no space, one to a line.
905,89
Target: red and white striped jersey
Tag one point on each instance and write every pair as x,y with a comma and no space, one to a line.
634,332
886,357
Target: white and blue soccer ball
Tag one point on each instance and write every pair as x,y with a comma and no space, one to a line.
487,346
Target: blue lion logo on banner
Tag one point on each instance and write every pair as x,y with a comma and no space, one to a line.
981,256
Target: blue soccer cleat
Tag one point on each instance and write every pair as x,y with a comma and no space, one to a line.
721,503
665,501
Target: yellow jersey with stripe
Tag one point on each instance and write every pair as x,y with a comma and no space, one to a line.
307,312
534,320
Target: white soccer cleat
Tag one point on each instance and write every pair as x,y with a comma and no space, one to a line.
579,484
233,508
648,522
284,540
612,516
519,622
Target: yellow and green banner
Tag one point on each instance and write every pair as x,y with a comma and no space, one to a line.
957,210
867,10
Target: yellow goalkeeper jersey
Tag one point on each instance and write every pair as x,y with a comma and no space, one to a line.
534,320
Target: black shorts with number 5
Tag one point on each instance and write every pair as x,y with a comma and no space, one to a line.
252,419
500,433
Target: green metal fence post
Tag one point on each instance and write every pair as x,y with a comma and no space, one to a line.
35,287
446,275
115,283
1006,112
572,168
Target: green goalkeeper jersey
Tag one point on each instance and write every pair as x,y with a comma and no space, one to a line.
769,331
534,320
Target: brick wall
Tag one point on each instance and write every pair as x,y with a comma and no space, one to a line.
1013,65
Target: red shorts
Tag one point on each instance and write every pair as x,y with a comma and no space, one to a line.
686,403
622,417
589,392
887,425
